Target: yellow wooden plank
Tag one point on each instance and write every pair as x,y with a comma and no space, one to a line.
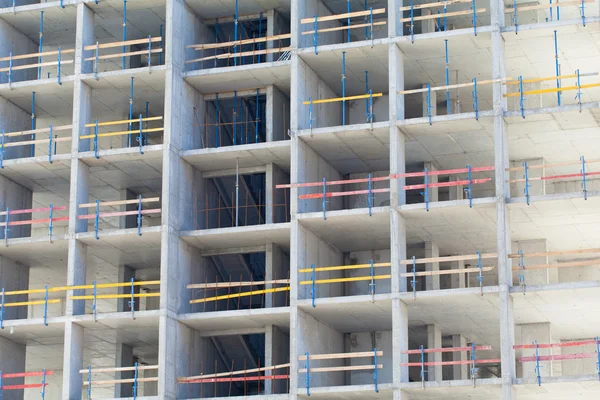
28,66
236,295
122,133
123,121
342,16
120,202
448,14
345,267
341,28
449,258
81,287
348,98
128,54
31,303
569,264
120,44
114,296
32,55
352,279
546,6
239,42
553,90
41,130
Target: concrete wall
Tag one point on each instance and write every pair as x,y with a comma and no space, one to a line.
314,250
11,40
308,9
364,257
15,197
14,119
367,341
14,276
356,112
12,359
277,114
361,201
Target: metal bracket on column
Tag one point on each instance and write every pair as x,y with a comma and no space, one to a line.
429,107
307,377
474,18
522,274
469,189
316,34
97,219
50,145
473,361
537,364
2,151
96,139
372,284
6,221
46,306
480,275
475,99
135,381
96,61
425,192
370,195
43,392
413,282
313,288
584,179
578,96
58,74
422,367
95,302
140,137
526,176
412,22
521,97
375,369
89,381
139,216
1,315
324,204
132,300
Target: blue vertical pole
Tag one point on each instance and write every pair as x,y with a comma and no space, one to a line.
140,137
578,89
132,301
50,223
367,91
259,32
426,189
96,146
59,66
316,34
412,22
41,48
515,17
583,178
343,88
480,276
557,66
234,117
348,2
475,99
366,27
147,116
50,145
89,386
46,307
95,300
597,353
470,187
235,32
97,219
1,316
429,107
521,98
256,115
2,150
217,121
139,215
448,111
526,176
33,122
370,194
124,33
550,10
372,284
160,32
307,378
422,366
313,288
413,282
474,7
130,112
43,392
522,274
324,199
135,381
375,369
537,363
583,12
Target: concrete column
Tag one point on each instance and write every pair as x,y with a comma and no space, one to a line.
275,199
394,16
15,197
542,333
458,280
399,341
427,25
432,104
84,37
459,371
12,360
432,251
277,267
14,276
397,166
125,274
396,75
536,276
72,361
273,28
432,179
277,114
434,341
128,221
11,40
456,192
124,358
13,119
150,388
398,252
277,352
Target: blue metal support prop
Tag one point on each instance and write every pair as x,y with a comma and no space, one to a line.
470,186
307,377
448,110
367,91
475,99
235,32
413,282
480,275
522,274
89,385
96,61
218,118
521,97
372,273
41,46
366,27
33,122
429,107
582,7
473,361
50,223
583,178
515,17
43,392
371,24
96,139
348,21
139,216
370,105
95,301
474,8
50,145
124,48
557,66
526,176
344,85
97,219
537,364
550,10
140,138
313,286
6,221
412,22
59,62
147,116
310,109
375,369
235,117
324,199
597,353
160,33
132,299
2,151
130,112
370,195
149,51
61,4
46,306
260,17
422,366
10,65
256,115
1,317
578,96
316,34
425,192
135,381
445,17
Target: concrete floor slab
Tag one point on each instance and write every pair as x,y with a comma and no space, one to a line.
246,236
220,321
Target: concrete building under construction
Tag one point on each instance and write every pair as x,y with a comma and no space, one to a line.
284,199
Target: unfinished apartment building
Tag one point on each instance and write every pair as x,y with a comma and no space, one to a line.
293,199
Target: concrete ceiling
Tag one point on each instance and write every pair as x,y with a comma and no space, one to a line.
245,236
230,320
226,8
